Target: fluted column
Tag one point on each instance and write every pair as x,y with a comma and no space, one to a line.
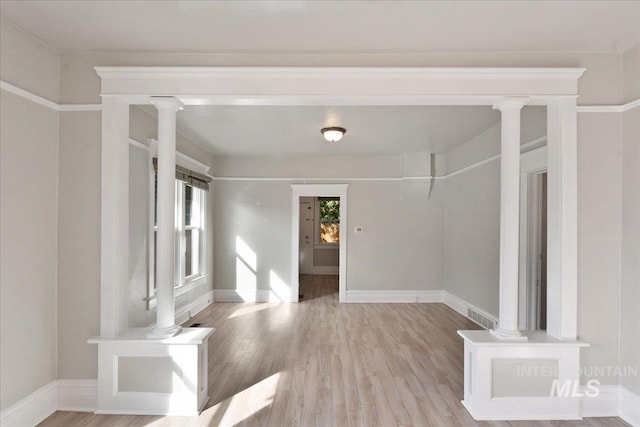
509,216
166,204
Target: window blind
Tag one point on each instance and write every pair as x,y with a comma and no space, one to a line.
192,178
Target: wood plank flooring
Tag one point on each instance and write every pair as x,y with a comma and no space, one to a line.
321,363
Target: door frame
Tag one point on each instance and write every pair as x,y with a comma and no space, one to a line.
532,163
318,190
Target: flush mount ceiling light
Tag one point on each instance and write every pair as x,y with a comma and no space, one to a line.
333,134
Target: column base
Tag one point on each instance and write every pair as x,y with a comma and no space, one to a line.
508,335
168,332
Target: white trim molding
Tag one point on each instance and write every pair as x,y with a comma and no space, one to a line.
629,407
189,310
399,296
463,307
608,108
318,190
98,107
245,295
604,404
337,85
32,409
77,395
46,102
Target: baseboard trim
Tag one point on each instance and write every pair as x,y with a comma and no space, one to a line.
463,307
240,295
32,409
629,406
321,270
394,296
187,311
77,395
605,404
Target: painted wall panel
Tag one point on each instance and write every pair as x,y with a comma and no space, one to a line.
78,244
28,63
630,289
28,226
599,238
401,247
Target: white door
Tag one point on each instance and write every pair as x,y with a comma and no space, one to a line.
306,234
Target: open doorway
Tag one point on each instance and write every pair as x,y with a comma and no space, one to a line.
319,240
533,241
319,247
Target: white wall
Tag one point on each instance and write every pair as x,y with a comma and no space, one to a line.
28,63
599,238
472,214
28,218
400,249
78,244
630,288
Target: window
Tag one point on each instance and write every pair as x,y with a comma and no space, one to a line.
329,224
190,214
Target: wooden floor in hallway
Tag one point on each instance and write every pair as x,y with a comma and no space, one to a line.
321,363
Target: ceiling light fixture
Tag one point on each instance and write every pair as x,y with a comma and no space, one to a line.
333,134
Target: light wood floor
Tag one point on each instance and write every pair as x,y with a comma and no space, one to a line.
321,363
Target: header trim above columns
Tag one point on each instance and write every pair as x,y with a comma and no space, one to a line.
338,85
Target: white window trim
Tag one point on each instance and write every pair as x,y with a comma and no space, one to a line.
182,285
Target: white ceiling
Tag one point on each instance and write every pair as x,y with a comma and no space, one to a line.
295,131
329,26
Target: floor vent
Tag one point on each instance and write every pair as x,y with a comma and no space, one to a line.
480,319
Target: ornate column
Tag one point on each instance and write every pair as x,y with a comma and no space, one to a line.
166,203
509,217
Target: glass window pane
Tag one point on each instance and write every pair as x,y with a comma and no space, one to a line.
155,199
188,252
330,221
155,260
188,205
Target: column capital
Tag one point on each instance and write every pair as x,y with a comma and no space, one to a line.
511,103
169,102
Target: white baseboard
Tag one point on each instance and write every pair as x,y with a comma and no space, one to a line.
187,311
462,307
605,404
629,409
321,270
32,409
240,295
394,296
77,395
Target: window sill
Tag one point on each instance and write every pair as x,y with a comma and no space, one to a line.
190,285
187,287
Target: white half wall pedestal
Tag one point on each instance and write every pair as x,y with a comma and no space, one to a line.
536,379
141,375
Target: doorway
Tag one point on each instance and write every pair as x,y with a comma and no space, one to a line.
537,283
533,241
305,224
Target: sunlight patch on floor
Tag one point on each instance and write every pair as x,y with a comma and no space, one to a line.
255,398
253,308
